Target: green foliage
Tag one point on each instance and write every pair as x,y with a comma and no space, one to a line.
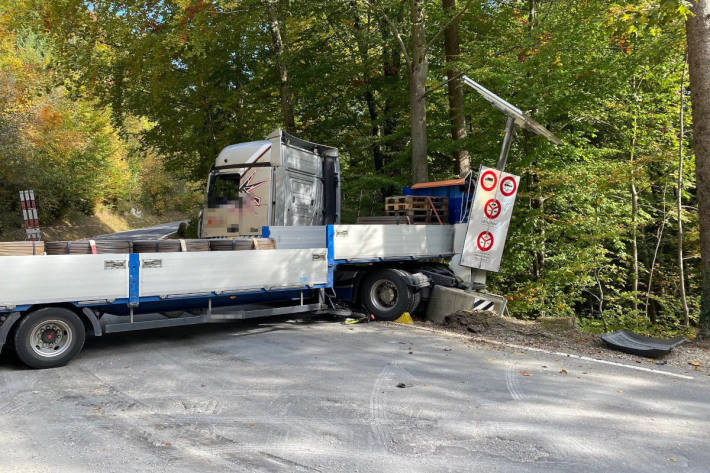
65,148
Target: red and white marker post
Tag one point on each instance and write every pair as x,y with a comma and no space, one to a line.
29,214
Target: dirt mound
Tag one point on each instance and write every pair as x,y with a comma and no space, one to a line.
488,323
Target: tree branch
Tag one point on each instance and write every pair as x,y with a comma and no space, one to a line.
395,30
453,19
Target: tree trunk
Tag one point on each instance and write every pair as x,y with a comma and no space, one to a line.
698,35
462,159
634,220
679,197
278,45
363,51
532,14
634,245
391,65
417,89
659,239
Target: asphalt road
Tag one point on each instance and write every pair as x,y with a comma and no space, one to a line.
148,233
292,397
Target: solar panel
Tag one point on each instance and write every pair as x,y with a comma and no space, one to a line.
522,120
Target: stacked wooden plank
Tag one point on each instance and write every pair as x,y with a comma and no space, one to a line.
384,220
237,244
419,209
84,247
21,248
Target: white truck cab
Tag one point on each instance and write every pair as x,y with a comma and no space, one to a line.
281,180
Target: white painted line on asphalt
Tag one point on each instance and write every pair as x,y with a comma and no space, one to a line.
549,352
166,235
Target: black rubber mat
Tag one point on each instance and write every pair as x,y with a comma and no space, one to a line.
630,342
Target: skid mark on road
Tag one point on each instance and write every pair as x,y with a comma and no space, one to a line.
398,419
512,382
378,414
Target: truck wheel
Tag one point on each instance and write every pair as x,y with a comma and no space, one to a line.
386,294
49,337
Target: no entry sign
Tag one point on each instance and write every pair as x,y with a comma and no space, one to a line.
489,219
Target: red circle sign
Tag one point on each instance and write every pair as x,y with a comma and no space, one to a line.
485,241
489,179
492,208
508,186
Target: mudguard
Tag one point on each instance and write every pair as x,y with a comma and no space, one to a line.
7,326
630,342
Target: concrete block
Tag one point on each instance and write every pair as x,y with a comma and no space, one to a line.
447,300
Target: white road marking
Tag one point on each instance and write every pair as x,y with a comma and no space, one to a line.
549,352
163,237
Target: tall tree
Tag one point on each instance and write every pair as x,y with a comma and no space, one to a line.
278,45
462,159
698,34
418,67
679,196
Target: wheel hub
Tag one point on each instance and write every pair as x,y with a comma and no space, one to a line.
384,294
387,295
51,338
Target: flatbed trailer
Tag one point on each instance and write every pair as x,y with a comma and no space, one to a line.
50,303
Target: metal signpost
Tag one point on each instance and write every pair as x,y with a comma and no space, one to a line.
492,206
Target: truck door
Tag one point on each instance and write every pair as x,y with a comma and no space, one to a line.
238,204
305,188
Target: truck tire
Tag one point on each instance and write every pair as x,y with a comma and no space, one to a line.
49,337
385,294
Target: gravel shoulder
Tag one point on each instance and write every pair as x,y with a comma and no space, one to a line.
559,335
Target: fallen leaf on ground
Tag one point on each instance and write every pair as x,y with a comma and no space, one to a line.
563,371
525,373
694,363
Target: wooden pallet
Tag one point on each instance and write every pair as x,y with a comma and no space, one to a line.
415,202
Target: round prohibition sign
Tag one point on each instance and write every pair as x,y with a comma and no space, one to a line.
484,241
508,186
489,179
492,208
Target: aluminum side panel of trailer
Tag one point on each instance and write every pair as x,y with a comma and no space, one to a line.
62,278
174,274
361,242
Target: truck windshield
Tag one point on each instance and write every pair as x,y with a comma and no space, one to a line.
223,190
